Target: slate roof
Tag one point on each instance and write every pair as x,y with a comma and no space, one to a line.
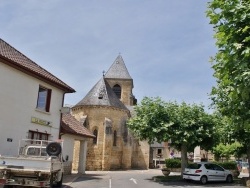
70,125
118,70
16,59
101,95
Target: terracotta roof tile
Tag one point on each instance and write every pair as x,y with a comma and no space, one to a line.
70,125
17,59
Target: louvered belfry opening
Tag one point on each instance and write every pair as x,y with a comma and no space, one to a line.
117,90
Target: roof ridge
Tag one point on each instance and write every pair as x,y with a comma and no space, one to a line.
20,53
17,59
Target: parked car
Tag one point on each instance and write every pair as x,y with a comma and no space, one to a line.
206,171
245,167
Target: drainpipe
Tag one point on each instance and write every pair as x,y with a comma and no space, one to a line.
59,135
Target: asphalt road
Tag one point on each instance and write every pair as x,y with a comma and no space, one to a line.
135,179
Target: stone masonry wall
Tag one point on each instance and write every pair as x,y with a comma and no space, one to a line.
126,86
67,167
104,155
76,156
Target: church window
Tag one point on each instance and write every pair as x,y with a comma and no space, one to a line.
95,139
115,139
117,89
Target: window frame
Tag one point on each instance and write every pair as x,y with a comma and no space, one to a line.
43,99
117,90
36,135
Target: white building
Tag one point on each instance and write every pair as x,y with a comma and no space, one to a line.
30,100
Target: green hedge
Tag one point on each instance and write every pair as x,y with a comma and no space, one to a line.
173,163
176,163
228,165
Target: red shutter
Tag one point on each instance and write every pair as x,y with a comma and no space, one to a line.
48,100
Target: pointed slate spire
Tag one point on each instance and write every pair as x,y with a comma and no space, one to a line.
101,95
118,69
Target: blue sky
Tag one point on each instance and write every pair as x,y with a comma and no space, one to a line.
166,45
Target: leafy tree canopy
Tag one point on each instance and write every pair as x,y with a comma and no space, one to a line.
226,150
231,96
187,126
231,20
151,119
160,121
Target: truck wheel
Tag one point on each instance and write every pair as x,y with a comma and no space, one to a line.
53,148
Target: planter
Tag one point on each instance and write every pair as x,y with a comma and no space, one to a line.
165,172
175,169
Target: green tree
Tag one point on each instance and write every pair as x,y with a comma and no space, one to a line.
226,137
187,126
226,150
231,96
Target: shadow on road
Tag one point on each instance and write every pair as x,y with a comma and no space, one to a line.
87,177
79,178
183,183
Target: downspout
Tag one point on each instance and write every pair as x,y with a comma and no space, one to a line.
59,136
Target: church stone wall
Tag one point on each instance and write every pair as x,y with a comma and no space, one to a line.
140,153
76,155
104,156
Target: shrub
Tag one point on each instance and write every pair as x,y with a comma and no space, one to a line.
173,163
228,165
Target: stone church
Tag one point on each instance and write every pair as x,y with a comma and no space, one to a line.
104,111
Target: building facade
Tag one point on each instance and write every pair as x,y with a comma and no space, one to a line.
31,99
104,111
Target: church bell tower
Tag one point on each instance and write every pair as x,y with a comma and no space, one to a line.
121,82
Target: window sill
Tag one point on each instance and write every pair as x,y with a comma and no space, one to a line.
42,111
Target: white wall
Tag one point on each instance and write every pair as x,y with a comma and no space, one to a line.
68,144
18,99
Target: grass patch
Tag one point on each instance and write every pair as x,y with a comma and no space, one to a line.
167,178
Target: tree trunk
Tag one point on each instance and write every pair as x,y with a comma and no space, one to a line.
183,157
248,157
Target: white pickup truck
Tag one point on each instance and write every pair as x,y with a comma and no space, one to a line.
39,164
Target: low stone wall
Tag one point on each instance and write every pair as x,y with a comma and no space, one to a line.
67,166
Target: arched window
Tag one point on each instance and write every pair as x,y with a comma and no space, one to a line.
95,139
117,89
115,139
